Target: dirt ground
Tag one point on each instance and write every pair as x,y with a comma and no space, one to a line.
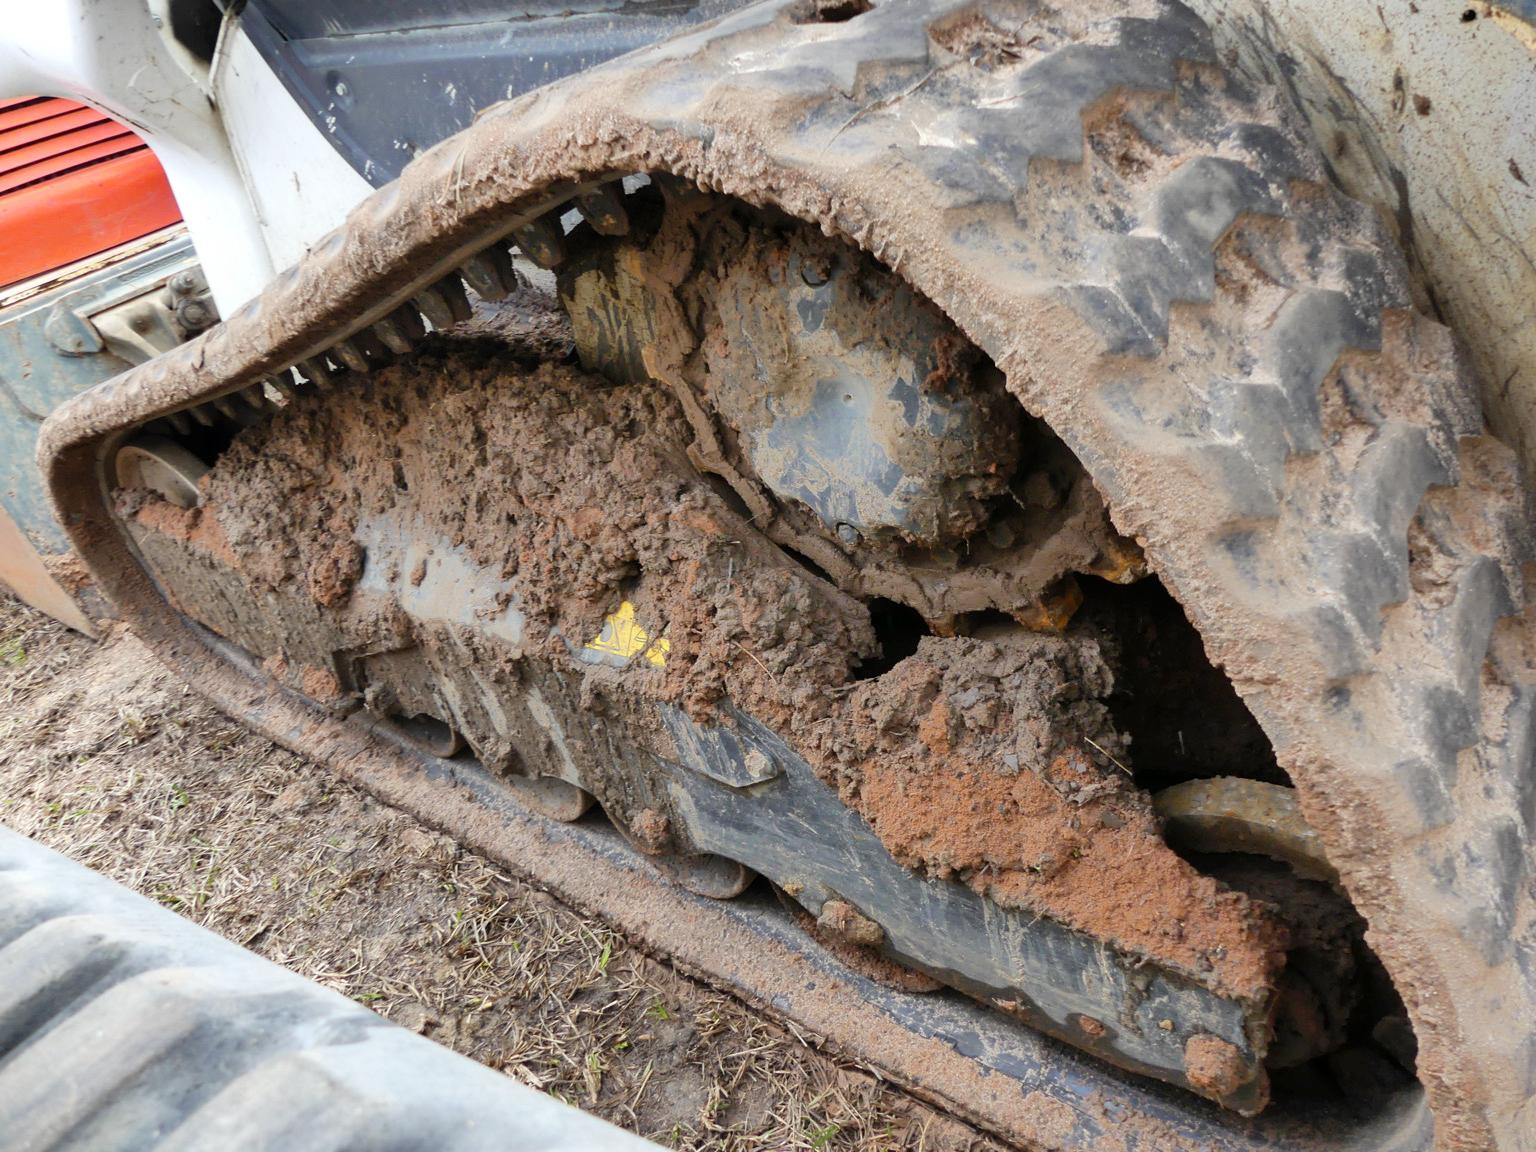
110,759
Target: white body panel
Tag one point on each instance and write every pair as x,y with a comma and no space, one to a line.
300,185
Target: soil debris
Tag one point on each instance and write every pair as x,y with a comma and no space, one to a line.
991,759
336,569
189,524
1213,1065
1004,789
860,958
841,919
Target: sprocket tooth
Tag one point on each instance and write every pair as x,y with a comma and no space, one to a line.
444,303
542,240
319,372
490,274
603,208
349,354
400,331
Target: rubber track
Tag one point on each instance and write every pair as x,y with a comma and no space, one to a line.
124,1026
1283,528
1154,257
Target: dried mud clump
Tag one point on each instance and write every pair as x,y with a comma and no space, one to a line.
195,526
994,761
335,570
990,759
1006,35
1213,1065
566,489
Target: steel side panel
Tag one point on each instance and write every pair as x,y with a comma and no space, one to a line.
37,374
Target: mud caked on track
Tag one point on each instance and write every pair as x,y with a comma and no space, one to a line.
484,542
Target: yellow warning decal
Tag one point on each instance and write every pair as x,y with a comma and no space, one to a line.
623,637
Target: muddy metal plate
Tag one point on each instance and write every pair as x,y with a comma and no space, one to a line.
50,351
416,624
979,1064
124,1026
796,830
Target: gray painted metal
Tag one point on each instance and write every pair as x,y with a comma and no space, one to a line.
124,1026
797,831
49,351
740,792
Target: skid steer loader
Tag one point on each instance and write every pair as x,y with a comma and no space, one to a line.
994,529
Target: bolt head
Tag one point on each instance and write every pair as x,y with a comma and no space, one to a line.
848,534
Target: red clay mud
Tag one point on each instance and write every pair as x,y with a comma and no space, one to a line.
993,761
336,569
1212,1064
194,525
989,759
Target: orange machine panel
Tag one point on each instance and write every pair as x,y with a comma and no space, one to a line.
73,182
